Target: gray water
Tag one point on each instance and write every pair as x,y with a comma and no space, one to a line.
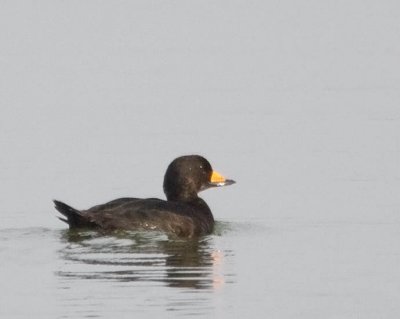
298,102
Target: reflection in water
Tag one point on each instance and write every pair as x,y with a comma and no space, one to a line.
141,273
142,257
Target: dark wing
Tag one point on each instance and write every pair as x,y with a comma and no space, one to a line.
146,214
112,205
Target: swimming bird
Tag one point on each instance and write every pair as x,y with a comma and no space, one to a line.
184,213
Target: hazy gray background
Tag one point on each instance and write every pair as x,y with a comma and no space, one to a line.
298,101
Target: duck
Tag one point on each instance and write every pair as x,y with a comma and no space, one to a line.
183,213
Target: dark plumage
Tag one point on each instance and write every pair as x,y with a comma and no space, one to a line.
183,213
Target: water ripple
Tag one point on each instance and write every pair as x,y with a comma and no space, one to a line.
140,257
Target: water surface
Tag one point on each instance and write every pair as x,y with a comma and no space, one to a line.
319,269
296,101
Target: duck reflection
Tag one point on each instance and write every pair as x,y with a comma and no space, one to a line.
142,256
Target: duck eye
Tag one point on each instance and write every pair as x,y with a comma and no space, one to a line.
201,166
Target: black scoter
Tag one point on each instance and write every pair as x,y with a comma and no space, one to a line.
184,213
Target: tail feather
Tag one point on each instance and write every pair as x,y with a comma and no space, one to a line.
74,218
63,219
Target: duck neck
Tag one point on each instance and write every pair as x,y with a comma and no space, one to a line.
186,197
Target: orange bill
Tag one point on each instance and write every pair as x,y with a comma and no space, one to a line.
217,177
217,180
